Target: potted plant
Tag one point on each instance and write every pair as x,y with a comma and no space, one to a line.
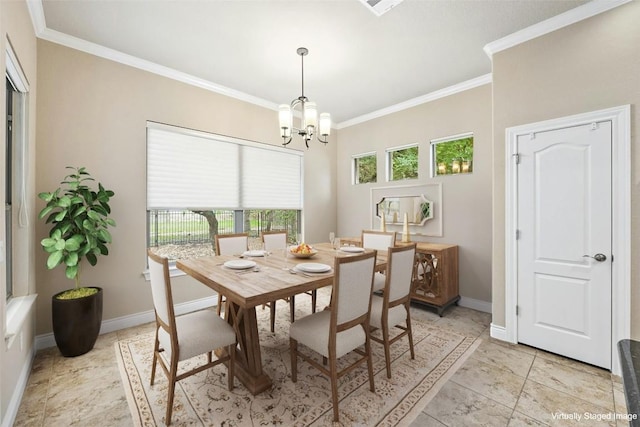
80,221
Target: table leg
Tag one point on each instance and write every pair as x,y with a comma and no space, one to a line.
248,367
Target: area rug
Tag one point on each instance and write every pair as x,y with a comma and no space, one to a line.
204,400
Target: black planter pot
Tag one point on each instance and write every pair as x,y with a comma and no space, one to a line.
76,323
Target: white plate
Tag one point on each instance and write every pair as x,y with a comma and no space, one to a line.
354,249
240,264
313,267
254,253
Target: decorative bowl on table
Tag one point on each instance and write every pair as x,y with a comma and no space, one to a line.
302,251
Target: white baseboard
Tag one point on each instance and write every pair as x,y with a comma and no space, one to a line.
499,332
475,304
111,325
10,414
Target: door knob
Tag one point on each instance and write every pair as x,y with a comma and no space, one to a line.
597,257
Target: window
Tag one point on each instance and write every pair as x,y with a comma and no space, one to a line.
201,184
452,155
365,168
402,163
15,169
8,190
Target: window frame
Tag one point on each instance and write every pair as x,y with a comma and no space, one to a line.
453,138
355,172
291,160
389,162
18,307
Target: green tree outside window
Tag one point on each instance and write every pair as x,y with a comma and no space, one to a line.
404,164
366,169
453,156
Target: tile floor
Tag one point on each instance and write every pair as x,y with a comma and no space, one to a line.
499,385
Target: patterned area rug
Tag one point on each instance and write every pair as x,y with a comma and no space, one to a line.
204,400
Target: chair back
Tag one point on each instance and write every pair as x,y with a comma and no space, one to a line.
274,240
231,244
379,240
352,288
400,265
161,290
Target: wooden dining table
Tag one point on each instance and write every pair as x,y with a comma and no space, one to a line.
245,289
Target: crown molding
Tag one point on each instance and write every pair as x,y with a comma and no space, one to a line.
451,90
565,19
39,24
37,16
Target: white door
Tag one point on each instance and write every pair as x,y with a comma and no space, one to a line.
564,241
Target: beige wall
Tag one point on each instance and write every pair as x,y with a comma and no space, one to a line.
15,25
93,112
591,65
466,199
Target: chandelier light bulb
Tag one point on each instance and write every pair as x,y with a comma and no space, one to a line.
310,115
325,124
286,120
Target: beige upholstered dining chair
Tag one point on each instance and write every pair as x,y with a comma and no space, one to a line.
392,308
381,241
230,244
185,336
342,328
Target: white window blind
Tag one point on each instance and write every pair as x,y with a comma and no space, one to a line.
189,169
270,179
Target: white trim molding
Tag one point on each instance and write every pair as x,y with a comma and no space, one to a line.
498,332
40,27
565,19
442,93
620,118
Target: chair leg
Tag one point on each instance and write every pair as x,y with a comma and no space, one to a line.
231,370
387,352
293,351
367,347
156,347
314,299
171,388
292,308
272,314
219,308
333,370
410,334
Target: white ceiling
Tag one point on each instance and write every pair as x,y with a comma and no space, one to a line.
358,63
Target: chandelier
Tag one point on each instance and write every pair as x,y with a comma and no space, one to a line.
310,122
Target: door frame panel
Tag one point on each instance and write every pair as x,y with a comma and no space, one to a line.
620,118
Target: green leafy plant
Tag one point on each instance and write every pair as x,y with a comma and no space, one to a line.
80,219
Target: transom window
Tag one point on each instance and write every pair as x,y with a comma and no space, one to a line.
365,168
402,162
452,155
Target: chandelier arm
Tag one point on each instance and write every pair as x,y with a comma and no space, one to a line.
324,141
288,140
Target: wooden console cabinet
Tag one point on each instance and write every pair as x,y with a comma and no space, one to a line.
435,277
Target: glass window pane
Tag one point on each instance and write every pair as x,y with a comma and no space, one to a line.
366,169
183,234
452,156
403,164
